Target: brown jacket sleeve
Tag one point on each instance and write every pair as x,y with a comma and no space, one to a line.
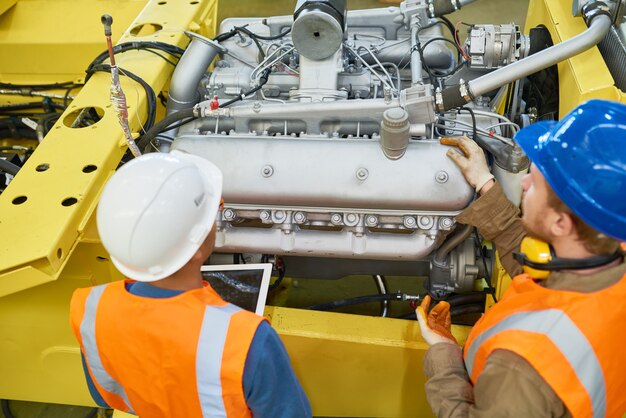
508,387
498,220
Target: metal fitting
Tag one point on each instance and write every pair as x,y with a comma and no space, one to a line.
464,90
410,222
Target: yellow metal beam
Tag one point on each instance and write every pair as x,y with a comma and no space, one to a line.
43,211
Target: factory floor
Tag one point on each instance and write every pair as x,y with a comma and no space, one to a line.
307,292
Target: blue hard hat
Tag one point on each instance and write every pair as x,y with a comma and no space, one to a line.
583,158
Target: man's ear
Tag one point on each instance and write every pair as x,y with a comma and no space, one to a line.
562,225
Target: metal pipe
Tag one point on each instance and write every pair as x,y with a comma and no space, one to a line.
382,289
190,69
459,235
597,31
416,61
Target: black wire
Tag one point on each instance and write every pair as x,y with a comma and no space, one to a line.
152,104
450,26
254,38
474,127
39,87
440,38
270,38
129,46
181,123
280,268
159,55
488,273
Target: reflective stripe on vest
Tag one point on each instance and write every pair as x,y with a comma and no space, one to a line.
209,359
566,336
88,334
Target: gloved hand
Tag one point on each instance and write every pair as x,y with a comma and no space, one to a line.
436,326
472,161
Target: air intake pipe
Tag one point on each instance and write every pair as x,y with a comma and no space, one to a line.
597,16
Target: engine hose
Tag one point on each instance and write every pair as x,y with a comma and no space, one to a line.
356,301
466,298
459,235
8,167
163,124
442,7
467,309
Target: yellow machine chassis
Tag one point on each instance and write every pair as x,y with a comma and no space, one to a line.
349,365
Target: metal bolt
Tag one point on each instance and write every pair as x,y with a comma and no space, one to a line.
279,214
265,215
410,222
299,217
446,223
267,171
257,107
362,173
425,222
228,214
351,217
371,220
335,219
441,176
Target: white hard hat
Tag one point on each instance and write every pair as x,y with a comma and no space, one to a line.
156,211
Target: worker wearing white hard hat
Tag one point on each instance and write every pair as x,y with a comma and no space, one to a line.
164,343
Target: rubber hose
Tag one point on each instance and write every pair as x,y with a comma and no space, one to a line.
8,167
163,125
355,301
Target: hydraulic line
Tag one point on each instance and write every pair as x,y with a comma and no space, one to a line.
360,300
382,289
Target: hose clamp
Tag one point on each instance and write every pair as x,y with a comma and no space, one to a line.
597,8
439,99
456,4
464,90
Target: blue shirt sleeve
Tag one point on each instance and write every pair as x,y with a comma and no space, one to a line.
270,385
92,388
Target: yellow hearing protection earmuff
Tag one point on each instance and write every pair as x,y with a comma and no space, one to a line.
538,259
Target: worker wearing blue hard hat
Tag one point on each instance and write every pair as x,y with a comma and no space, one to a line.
551,346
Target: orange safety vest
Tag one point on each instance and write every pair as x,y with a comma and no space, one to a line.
574,340
182,356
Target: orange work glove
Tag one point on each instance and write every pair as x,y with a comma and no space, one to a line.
436,326
471,161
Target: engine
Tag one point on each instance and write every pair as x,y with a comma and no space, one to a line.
326,125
